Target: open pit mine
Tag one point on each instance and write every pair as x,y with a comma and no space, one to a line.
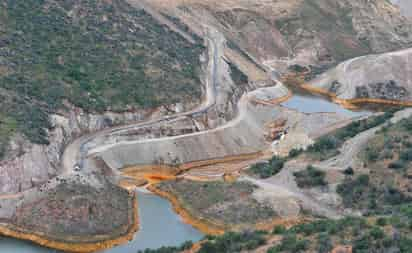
294,96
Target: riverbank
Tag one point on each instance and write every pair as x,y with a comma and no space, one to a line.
204,225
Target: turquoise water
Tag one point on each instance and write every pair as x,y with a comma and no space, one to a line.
159,226
313,104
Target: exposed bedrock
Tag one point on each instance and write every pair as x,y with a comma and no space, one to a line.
386,76
28,164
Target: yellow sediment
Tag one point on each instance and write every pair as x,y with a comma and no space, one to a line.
197,164
157,173
205,226
130,184
354,103
41,239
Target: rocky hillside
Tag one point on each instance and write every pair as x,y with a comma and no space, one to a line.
97,55
305,32
75,66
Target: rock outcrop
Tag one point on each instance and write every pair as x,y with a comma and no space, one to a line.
28,165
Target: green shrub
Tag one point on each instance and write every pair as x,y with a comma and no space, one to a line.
279,230
406,155
376,233
185,246
291,243
268,169
324,243
324,144
311,177
372,154
232,242
349,171
237,75
397,165
381,221
352,191
295,153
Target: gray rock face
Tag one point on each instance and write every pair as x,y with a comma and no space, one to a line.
28,164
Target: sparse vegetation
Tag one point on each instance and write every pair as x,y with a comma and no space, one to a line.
361,235
387,186
363,194
184,246
232,242
295,152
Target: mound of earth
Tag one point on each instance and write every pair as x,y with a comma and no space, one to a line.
384,76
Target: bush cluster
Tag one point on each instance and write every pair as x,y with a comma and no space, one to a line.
268,169
311,177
